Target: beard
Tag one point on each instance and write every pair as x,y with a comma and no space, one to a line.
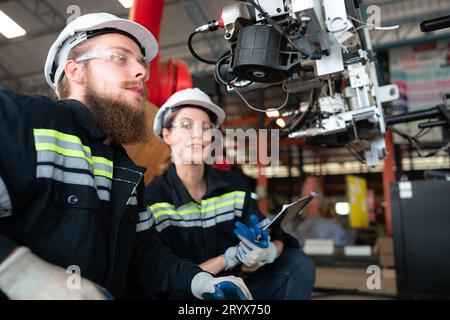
123,122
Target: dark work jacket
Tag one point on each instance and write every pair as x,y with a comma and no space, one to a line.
75,201
201,231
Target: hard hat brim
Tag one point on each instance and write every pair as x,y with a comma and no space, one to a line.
159,118
144,36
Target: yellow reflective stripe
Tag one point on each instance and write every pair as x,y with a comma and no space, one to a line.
226,195
223,204
85,153
206,201
178,213
61,136
103,173
191,211
44,146
172,209
70,138
102,160
161,205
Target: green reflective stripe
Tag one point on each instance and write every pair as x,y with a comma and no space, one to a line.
223,204
230,205
196,223
102,166
240,194
102,160
61,160
61,136
195,216
62,144
176,212
74,163
103,173
70,145
43,146
226,202
161,208
164,205
230,199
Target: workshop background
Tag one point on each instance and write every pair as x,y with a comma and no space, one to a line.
374,232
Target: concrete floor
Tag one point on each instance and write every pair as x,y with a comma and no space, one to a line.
340,283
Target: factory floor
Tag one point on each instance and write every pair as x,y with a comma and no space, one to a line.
345,283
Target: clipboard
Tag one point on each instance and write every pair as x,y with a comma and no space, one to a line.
296,207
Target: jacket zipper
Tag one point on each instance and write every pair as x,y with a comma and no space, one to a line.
114,239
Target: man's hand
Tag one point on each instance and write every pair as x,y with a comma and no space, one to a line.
255,247
25,276
205,286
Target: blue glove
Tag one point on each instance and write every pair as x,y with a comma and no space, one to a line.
255,247
108,295
205,286
254,233
225,290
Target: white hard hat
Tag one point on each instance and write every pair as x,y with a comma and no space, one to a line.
186,97
86,26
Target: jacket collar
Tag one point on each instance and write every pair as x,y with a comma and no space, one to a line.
181,196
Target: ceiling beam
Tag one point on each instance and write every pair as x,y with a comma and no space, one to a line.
38,14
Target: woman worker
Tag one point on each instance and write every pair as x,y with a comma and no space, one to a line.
208,216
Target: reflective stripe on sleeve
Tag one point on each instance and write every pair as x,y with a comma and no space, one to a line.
211,211
59,153
5,201
146,221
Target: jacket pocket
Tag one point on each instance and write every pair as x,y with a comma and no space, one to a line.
74,224
74,199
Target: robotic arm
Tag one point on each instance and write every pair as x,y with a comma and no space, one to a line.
320,47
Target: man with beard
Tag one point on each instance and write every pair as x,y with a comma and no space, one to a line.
73,223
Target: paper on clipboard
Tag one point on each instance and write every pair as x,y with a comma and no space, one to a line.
298,206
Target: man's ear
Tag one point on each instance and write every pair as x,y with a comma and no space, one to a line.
74,71
167,136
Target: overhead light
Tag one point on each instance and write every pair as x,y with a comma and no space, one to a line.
126,3
9,28
342,208
272,113
280,122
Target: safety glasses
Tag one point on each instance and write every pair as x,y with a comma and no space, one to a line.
118,57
